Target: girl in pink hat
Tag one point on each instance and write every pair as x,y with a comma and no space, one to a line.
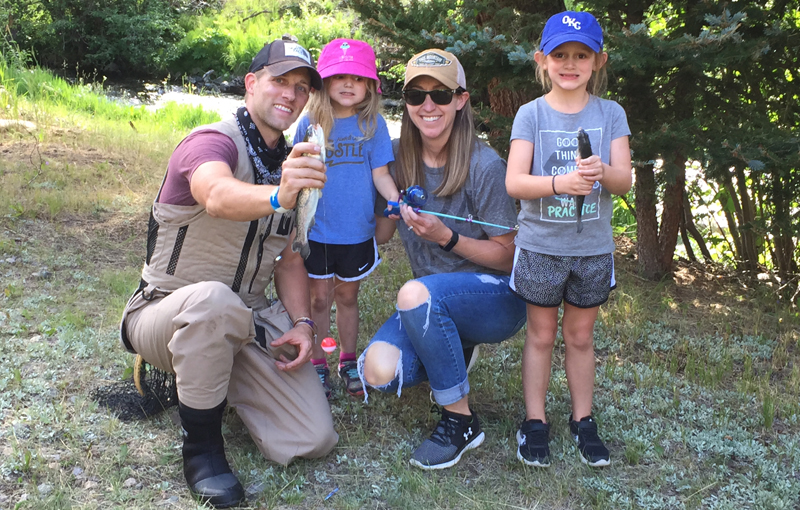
342,241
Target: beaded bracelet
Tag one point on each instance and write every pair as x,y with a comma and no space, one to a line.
308,322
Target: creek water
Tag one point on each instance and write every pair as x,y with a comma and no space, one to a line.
156,95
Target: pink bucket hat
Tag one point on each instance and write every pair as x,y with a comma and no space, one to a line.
348,56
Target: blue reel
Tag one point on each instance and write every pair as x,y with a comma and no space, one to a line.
414,197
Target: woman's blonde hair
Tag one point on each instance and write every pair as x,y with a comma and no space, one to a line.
410,167
596,85
320,110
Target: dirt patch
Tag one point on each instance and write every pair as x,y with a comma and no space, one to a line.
36,153
105,240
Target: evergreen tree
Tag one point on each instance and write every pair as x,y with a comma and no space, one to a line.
706,81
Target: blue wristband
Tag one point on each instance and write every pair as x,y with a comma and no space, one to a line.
273,200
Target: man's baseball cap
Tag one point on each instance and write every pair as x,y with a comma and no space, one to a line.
284,55
348,56
438,64
571,26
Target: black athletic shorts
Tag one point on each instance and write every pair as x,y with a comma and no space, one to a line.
347,262
546,280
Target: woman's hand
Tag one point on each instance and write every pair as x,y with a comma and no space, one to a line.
426,226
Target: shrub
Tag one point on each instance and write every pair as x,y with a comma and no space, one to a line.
227,40
134,37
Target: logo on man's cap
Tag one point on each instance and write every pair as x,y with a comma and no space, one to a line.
431,59
295,50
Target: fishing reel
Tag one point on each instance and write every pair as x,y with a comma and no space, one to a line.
415,197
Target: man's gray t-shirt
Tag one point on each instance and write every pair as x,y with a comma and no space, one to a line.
483,197
548,225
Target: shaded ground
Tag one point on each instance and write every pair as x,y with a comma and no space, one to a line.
697,386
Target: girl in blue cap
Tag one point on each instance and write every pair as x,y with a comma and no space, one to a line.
556,261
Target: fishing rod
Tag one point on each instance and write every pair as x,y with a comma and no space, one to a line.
416,197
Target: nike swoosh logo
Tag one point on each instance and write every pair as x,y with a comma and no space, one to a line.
362,267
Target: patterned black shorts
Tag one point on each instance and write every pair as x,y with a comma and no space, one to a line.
546,280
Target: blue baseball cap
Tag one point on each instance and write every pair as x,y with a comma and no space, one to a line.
571,26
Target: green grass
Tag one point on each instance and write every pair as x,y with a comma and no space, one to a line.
89,155
697,385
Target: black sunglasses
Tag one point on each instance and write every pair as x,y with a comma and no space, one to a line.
416,97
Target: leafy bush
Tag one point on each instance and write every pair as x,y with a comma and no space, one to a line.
134,37
227,40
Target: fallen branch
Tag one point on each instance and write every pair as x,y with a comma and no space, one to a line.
259,13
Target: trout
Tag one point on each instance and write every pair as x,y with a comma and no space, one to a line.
308,198
585,151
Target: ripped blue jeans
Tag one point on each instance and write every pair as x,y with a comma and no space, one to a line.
463,310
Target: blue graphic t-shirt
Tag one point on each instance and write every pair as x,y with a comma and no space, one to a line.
548,225
346,211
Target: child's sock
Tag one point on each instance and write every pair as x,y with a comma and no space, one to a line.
320,361
346,356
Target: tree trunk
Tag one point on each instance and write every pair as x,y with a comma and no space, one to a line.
687,243
691,228
504,100
734,219
655,245
672,213
748,218
782,236
647,223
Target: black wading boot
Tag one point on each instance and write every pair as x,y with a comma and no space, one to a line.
207,471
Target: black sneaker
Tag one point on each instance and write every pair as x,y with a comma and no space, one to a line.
453,435
324,374
590,446
533,437
348,371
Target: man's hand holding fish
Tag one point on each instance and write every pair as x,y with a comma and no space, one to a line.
300,171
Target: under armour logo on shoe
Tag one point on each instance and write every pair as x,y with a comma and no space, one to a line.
467,433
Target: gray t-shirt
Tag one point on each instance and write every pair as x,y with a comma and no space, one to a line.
483,196
548,225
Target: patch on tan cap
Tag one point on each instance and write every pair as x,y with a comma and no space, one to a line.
431,59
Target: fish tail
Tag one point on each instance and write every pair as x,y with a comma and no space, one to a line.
301,246
296,245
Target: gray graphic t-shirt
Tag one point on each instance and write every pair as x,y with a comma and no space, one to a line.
548,225
483,196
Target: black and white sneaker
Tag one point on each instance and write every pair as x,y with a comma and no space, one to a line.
533,437
324,374
453,435
591,448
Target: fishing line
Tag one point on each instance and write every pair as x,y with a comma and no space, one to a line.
416,197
